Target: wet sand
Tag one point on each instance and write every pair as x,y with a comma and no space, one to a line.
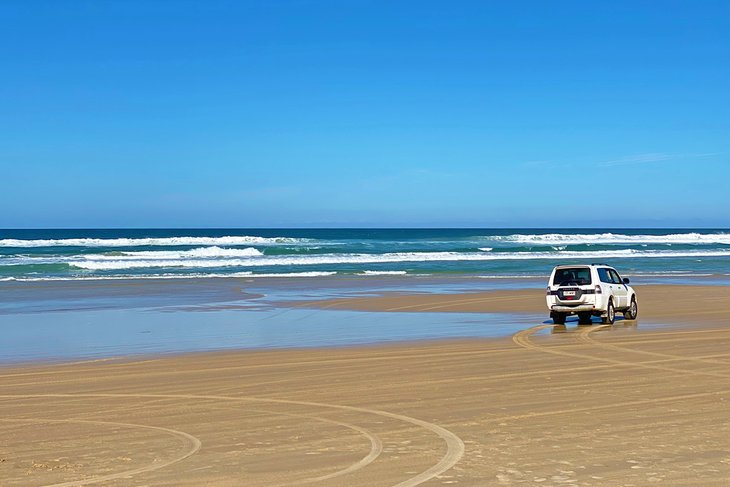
591,405
658,303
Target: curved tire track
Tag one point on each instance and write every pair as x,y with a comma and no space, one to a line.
376,447
454,445
584,336
522,338
193,443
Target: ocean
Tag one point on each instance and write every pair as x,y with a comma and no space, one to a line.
67,294
45,255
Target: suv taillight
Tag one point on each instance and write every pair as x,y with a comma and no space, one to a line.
598,289
548,291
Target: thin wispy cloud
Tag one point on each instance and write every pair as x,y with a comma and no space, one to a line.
651,158
630,160
540,163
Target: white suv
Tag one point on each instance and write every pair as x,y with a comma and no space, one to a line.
589,290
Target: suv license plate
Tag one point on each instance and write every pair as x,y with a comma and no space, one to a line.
569,293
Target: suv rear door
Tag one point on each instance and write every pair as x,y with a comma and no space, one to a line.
620,292
608,284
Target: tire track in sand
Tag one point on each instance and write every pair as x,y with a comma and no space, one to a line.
584,336
191,442
376,447
522,339
454,445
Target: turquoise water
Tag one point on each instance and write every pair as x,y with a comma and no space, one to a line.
38,255
99,293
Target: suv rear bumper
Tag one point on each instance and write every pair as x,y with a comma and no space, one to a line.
573,309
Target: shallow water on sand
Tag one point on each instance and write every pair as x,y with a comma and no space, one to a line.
117,332
58,321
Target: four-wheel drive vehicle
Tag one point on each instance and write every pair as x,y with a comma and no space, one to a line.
589,290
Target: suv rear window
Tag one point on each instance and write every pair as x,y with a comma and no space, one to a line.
577,275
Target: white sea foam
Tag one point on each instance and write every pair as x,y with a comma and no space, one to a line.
486,249
669,274
534,239
258,261
199,253
383,273
161,241
614,238
517,276
296,274
124,277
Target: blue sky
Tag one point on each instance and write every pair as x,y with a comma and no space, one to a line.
364,113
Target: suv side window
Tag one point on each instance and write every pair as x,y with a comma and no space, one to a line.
616,278
604,276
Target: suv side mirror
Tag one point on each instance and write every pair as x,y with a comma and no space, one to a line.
626,280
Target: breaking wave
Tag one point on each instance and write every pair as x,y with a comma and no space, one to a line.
159,242
117,263
123,277
383,273
200,253
615,238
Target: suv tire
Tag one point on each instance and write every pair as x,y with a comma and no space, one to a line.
584,318
610,314
558,318
633,311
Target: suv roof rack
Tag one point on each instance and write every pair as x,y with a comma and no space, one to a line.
599,263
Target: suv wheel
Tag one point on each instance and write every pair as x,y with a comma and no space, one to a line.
633,311
558,318
584,318
610,314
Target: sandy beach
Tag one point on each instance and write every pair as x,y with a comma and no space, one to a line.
313,243
638,403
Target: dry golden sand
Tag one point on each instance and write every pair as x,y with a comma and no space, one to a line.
594,405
